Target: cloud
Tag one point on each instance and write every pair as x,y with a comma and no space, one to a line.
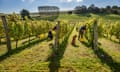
71,0
28,1
79,0
54,0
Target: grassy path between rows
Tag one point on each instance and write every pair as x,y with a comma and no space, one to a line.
113,49
77,58
3,48
80,58
24,60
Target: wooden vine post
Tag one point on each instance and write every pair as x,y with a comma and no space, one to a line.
57,36
6,33
95,38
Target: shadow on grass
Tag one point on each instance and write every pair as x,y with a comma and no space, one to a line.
85,44
114,41
106,59
2,43
19,49
75,45
28,41
58,55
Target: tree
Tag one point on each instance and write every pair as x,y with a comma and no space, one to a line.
115,11
108,9
96,10
84,9
69,12
115,7
102,10
80,9
24,13
91,8
77,10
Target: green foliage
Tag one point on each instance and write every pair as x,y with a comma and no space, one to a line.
1,29
25,13
117,30
109,29
90,31
79,59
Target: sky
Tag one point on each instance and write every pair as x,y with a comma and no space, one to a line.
10,6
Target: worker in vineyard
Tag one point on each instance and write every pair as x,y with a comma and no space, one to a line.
74,40
81,32
50,35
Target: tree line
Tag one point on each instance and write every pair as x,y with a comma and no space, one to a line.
94,9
